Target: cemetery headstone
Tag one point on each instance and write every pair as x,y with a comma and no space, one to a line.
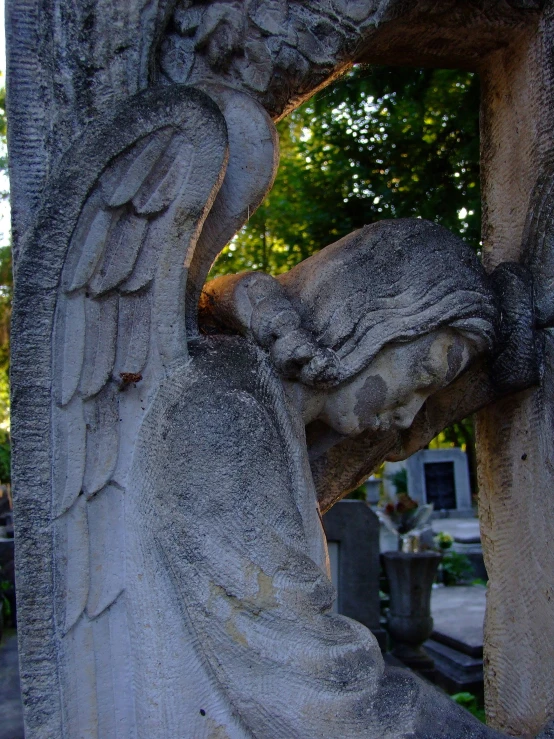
441,477
352,532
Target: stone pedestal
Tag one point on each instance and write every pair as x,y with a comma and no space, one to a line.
411,577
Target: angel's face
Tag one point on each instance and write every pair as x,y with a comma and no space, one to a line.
391,390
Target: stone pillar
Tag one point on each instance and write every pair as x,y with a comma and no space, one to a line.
515,436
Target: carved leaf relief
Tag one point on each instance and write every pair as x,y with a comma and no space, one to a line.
356,10
256,70
187,19
320,42
222,31
177,57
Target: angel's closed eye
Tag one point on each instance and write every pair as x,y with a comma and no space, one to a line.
429,376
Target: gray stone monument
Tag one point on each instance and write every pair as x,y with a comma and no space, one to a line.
168,482
441,477
352,533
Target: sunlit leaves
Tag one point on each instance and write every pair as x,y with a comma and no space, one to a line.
380,143
5,293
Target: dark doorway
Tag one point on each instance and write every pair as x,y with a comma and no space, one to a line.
440,485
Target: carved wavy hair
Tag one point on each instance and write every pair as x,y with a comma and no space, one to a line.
390,282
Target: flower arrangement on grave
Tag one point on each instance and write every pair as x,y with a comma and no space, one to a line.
405,517
443,541
455,568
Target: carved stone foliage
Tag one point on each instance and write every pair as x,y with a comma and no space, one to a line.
275,49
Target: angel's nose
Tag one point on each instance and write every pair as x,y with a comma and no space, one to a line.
404,415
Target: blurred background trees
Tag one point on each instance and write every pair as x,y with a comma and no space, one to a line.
381,142
6,285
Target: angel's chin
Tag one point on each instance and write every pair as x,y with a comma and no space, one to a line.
373,426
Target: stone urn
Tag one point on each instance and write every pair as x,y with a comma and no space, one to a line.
411,576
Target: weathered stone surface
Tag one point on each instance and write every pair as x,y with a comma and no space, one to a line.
515,441
163,490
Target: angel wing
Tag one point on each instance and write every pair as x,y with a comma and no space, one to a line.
253,163
119,326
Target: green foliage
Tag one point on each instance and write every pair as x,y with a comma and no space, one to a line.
6,285
460,434
380,143
358,494
400,481
443,541
456,568
3,130
5,605
471,704
5,457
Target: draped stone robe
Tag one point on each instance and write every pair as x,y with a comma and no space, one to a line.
225,509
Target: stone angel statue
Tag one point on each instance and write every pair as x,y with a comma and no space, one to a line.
197,432
192,595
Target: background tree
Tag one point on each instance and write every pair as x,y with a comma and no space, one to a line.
6,284
382,142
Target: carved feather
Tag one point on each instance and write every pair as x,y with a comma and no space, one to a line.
127,179
114,676
72,540
102,419
107,549
69,449
166,179
133,334
80,704
120,254
89,242
101,331
169,300
68,345
145,265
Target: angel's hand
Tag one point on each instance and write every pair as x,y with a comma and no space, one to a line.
516,364
255,305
